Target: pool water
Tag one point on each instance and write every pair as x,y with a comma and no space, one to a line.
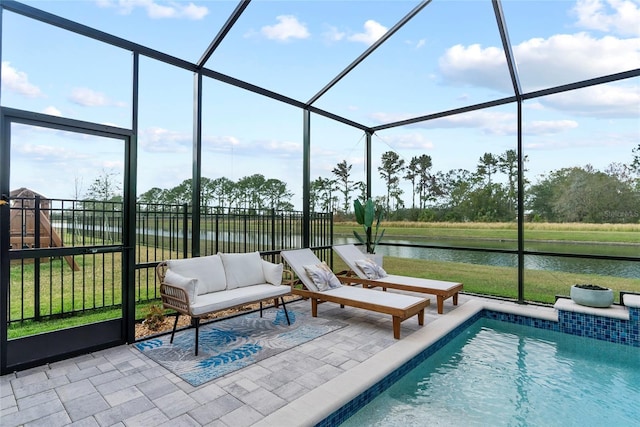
502,374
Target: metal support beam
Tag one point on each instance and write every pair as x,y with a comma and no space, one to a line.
131,185
370,50
368,163
196,183
235,15
506,46
520,208
306,178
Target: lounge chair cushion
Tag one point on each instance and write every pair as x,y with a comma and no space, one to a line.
243,269
272,272
208,270
188,284
371,269
322,277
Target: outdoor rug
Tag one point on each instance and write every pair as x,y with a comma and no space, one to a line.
231,344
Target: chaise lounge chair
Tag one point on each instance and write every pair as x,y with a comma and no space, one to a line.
400,307
352,256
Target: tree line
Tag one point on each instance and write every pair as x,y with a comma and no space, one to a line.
487,194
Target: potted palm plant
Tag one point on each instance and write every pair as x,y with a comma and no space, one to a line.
369,216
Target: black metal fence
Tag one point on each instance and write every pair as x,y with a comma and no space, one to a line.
58,267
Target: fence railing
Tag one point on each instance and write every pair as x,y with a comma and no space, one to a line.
43,285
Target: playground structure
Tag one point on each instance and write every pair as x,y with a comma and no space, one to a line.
30,223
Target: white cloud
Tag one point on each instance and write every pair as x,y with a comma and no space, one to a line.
90,98
288,27
159,140
408,141
48,153
372,32
542,63
52,111
577,56
416,44
158,10
547,127
620,16
599,101
333,34
18,81
475,65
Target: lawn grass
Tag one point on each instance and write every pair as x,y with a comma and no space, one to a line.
545,232
540,286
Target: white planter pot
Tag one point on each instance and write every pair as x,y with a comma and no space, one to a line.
592,297
377,258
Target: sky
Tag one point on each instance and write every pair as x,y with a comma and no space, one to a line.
448,56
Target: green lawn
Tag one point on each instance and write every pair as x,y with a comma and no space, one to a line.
540,286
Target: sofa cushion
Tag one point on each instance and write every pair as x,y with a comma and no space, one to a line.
272,272
207,269
189,284
322,276
243,269
238,296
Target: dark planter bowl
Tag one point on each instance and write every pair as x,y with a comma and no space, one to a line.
599,298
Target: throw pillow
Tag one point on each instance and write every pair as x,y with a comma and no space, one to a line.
207,269
188,284
371,269
322,276
244,269
272,272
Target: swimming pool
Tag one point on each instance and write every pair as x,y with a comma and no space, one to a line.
332,402
506,374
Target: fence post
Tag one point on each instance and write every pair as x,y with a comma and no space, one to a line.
36,261
185,228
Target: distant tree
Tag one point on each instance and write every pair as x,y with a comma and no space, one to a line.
508,164
250,189
412,176
224,192
322,190
635,166
276,194
487,166
105,187
426,187
584,195
390,170
342,172
180,194
152,196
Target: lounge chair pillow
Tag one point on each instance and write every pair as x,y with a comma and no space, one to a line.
371,269
272,272
188,284
242,269
322,276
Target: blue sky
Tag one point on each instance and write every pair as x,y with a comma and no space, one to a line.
448,56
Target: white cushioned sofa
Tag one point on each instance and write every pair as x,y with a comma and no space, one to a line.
202,285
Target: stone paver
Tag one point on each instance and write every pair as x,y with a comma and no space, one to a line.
122,387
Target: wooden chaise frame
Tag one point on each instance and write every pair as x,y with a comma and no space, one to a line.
357,298
441,289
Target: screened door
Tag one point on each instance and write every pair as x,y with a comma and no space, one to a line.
65,242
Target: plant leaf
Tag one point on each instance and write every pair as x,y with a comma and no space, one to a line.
358,209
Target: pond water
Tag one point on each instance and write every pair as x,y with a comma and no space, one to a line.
626,269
